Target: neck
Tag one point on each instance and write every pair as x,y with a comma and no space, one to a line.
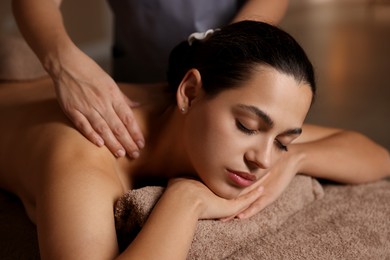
165,153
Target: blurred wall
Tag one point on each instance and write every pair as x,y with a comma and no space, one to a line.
88,22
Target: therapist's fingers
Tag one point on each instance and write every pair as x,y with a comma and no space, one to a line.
83,125
96,105
126,115
95,128
126,130
115,133
114,129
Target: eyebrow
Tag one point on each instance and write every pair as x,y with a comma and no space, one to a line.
294,131
267,119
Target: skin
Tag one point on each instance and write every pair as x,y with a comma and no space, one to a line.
89,96
69,186
215,121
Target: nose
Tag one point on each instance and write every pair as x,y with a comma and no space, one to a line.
259,156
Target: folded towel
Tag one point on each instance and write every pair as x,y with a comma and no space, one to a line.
349,222
214,239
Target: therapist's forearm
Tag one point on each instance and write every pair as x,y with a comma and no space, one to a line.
40,22
269,11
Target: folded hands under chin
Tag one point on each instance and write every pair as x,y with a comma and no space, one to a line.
208,204
273,184
250,202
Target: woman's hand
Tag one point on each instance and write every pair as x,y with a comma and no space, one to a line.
171,225
274,183
209,205
95,104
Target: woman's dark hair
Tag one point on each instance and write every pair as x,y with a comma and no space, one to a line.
228,57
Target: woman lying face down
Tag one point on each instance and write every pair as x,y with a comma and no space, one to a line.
243,98
232,139
227,130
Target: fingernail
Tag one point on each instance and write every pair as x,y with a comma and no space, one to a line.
120,153
260,189
140,144
135,154
99,142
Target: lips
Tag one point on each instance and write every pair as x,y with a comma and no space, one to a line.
241,179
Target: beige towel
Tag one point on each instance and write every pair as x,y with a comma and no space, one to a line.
215,239
350,222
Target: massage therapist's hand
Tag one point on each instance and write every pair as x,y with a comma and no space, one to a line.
95,104
209,204
274,182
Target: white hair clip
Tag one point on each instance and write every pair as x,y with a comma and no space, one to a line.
200,35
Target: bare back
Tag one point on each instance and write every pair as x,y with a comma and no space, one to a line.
25,109
36,137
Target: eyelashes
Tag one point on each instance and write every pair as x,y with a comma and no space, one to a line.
240,126
244,129
280,146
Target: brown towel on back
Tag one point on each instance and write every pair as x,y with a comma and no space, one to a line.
215,239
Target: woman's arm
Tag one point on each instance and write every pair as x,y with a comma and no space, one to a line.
75,207
340,155
169,230
269,11
333,154
76,221
86,93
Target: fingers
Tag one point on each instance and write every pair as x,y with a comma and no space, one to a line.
97,107
126,117
255,208
83,125
245,201
251,196
117,130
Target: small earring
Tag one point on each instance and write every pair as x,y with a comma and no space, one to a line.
183,110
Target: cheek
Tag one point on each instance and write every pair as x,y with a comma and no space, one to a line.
210,142
213,143
206,138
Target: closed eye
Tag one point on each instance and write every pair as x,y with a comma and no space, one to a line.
281,146
244,129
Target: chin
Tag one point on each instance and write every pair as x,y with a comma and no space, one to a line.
227,191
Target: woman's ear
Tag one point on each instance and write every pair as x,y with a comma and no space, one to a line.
189,89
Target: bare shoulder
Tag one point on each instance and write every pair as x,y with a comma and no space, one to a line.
39,146
144,92
20,92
